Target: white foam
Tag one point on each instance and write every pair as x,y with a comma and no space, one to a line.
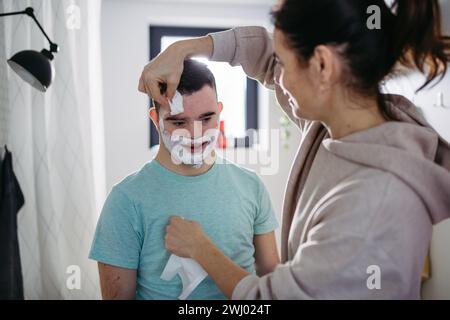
176,106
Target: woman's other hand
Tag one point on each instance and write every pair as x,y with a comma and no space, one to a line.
184,238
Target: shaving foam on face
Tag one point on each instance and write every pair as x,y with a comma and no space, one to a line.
180,146
176,106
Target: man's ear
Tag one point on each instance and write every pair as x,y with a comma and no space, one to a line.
220,106
154,116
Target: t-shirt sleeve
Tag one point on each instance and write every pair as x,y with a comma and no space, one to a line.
117,240
265,220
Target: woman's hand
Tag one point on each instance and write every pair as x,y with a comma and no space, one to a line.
167,67
184,238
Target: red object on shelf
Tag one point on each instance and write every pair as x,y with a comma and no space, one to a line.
222,139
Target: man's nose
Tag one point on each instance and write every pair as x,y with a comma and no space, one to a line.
196,129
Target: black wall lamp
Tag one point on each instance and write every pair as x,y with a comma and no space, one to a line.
32,66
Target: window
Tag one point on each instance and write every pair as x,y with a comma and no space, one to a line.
237,92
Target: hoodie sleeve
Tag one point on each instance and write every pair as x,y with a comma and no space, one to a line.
252,49
312,274
318,271
352,250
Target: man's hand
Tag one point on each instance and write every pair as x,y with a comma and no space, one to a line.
117,283
167,67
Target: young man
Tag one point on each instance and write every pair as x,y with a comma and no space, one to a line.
186,179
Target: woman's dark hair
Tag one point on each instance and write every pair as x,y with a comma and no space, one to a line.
410,34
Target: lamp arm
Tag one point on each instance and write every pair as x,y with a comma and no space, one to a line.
12,13
30,12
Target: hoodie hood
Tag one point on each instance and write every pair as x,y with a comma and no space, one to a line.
407,147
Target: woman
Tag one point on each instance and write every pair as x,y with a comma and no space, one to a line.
370,177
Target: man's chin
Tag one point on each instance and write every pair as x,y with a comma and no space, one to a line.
199,158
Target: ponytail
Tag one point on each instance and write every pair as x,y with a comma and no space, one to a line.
411,37
417,38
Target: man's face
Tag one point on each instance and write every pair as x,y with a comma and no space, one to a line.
201,113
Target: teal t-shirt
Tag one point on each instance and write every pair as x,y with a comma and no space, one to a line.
230,203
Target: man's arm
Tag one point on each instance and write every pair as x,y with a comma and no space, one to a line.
266,253
117,283
117,245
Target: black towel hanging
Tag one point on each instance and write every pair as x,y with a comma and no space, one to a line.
11,200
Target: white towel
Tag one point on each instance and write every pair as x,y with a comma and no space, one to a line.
190,272
176,106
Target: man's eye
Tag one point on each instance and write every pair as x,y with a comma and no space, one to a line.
206,120
178,123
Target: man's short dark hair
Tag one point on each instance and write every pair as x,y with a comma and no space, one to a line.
194,77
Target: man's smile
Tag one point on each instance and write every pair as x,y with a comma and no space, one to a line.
199,148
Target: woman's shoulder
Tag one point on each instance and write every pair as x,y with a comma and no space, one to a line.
371,195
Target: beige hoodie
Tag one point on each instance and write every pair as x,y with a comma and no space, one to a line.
358,211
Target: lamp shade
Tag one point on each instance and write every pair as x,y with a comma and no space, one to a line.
34,67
